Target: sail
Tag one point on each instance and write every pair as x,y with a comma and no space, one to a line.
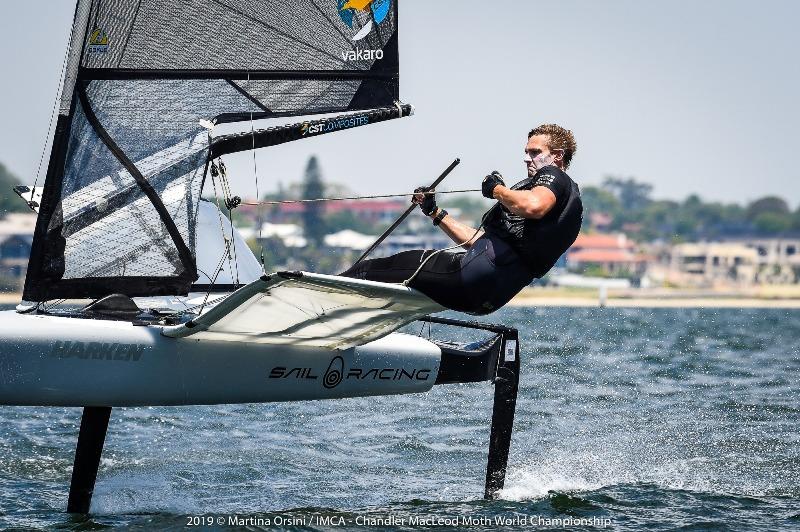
129,157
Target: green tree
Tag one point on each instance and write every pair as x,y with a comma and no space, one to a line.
632,194
342,220
772,204
596,199
773,222
9,201
314,225
659,219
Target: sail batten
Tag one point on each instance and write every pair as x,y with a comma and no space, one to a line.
129,158
311,75
144,185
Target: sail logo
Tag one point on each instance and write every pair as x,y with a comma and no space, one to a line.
337,373
367,13
362,55
98,42
333,376
327,126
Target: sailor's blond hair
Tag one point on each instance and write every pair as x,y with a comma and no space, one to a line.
558,139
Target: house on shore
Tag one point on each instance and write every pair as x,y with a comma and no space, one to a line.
609,255
16,239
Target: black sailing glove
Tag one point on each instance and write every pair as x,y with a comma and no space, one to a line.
428,202
489,182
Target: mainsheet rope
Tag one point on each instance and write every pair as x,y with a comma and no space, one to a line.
259,214
405,194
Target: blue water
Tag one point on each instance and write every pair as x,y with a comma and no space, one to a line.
635,419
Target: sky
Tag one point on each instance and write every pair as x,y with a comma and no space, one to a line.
691,97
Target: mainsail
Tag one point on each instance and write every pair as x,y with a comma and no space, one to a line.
129,156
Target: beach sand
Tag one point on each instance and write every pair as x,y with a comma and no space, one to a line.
758,297
645,302
10,298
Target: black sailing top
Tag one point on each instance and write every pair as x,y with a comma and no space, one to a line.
540,242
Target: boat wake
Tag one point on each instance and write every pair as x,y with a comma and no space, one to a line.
581,469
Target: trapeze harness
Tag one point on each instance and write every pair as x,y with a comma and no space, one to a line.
511,253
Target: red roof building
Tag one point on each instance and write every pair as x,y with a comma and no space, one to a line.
371,211
614,254
600,221
602,241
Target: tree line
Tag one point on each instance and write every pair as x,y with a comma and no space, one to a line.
9,201
631,209
627,202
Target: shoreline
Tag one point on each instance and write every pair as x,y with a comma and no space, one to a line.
759,297
537,297
10,298
647,302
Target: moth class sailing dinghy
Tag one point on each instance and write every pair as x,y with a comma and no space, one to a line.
122,226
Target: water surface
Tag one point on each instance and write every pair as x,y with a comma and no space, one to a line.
645,418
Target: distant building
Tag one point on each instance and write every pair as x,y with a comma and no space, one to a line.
348,239
290,234
613,254
18,223
370,211
14,253
777,259
396,244
16,239
600,221
713,263
602,241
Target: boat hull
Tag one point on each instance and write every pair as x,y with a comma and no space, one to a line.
61,361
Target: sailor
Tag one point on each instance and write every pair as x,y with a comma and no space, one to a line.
520,238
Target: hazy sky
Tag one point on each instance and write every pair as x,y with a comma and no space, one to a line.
693,97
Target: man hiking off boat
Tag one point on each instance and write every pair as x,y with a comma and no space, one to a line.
519,239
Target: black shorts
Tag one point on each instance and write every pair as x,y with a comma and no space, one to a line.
479,281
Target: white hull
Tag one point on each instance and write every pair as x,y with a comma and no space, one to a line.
60,361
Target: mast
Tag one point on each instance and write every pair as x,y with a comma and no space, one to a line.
129,154
43,266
